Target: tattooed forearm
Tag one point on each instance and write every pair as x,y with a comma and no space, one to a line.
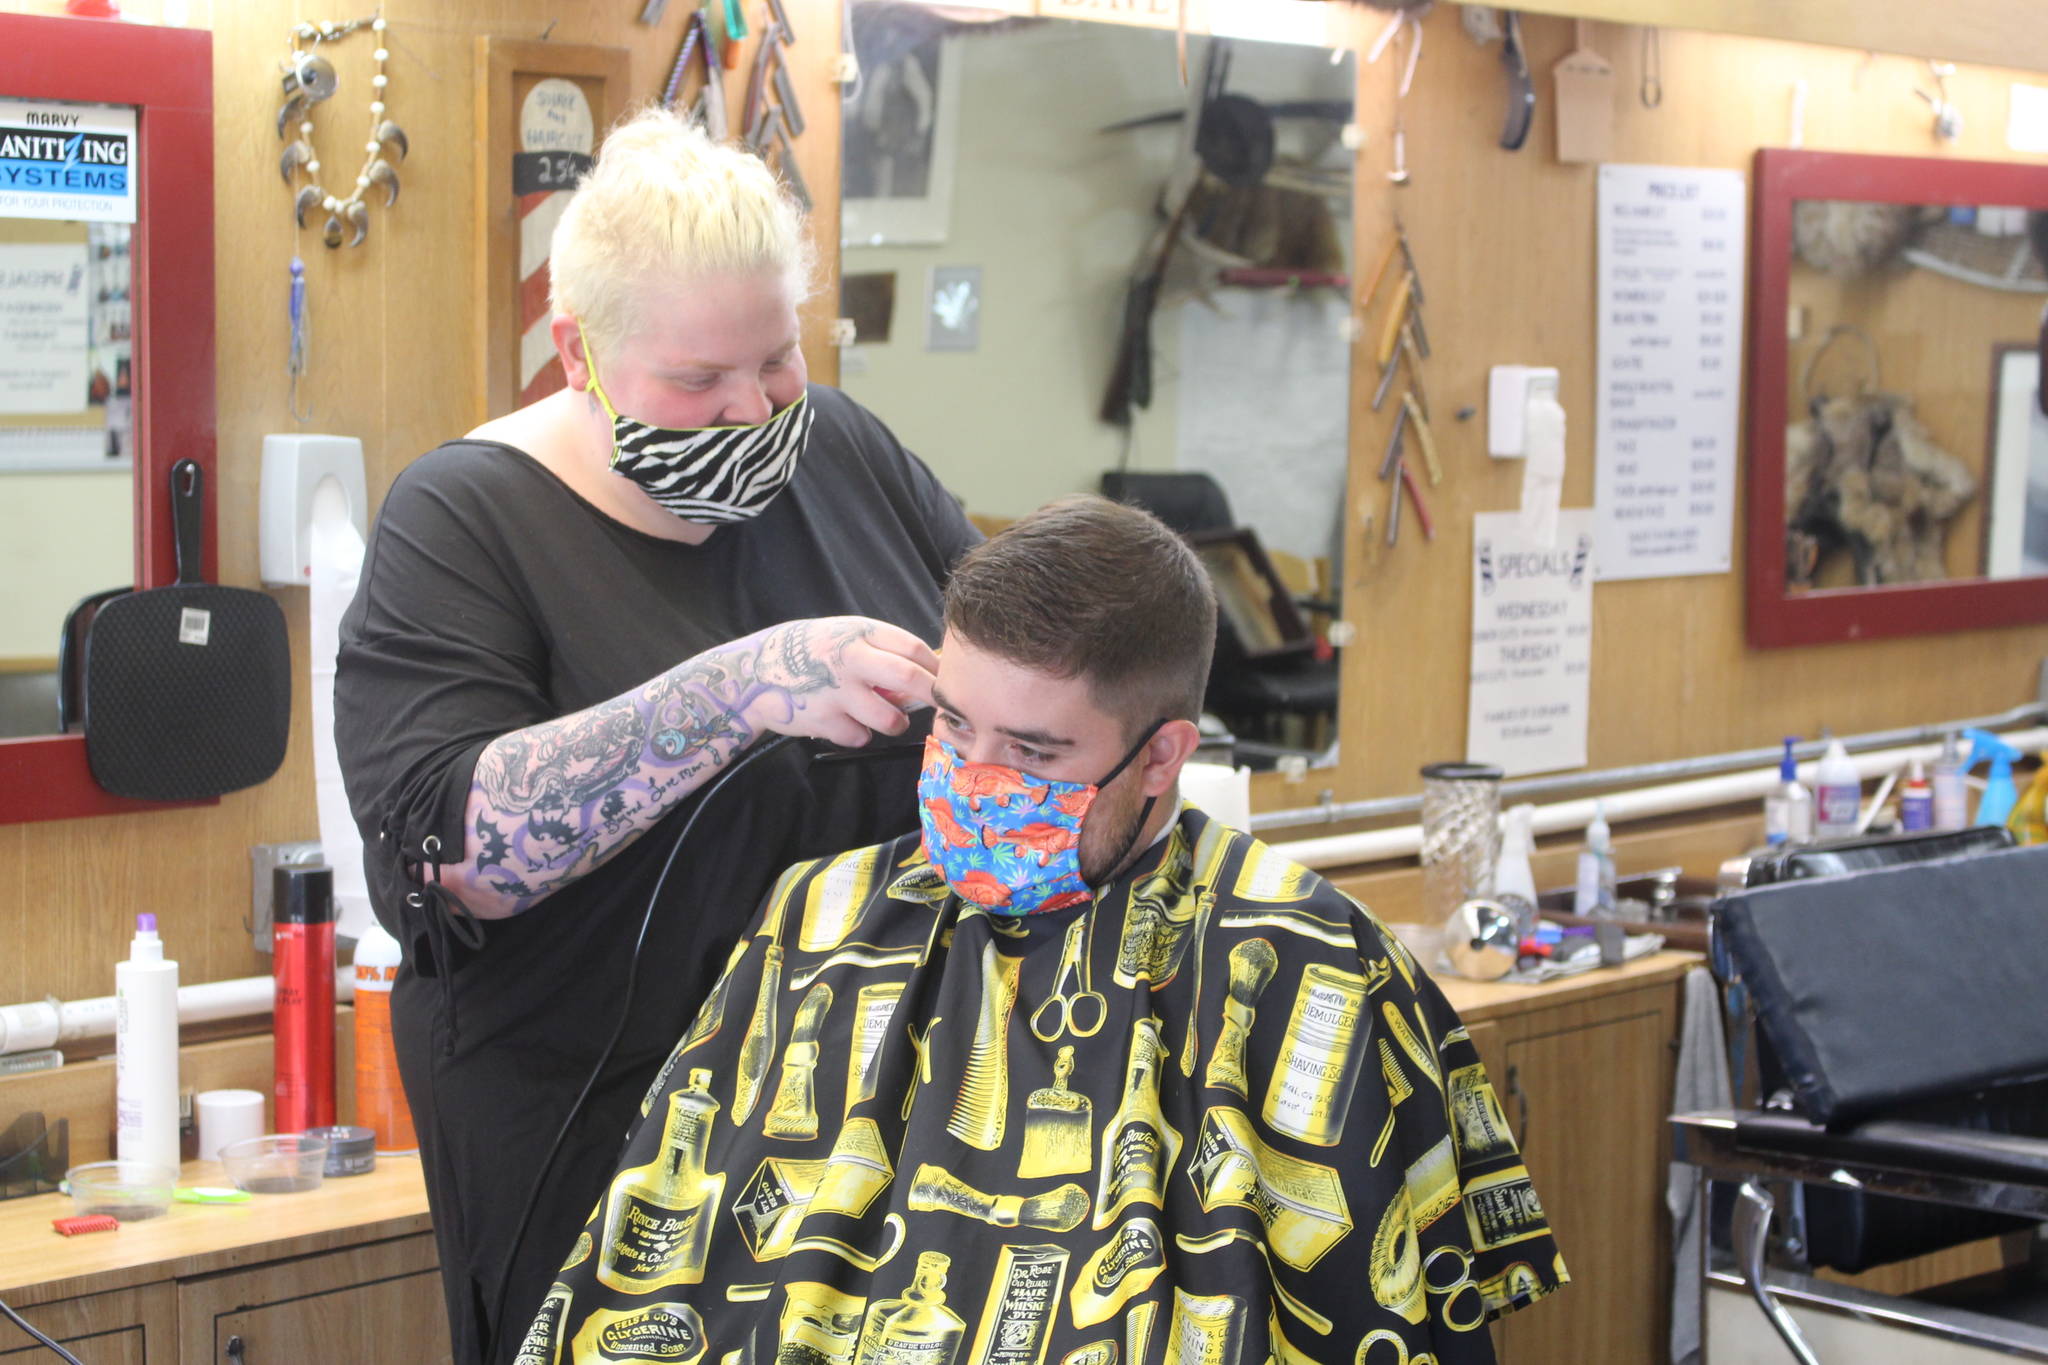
550,803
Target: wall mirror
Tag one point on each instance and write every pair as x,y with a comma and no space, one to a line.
1003,182
106,352
1898,477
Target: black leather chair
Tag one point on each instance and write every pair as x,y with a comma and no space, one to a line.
1250,684
1899,994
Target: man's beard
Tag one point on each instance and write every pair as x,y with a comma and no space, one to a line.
1110,835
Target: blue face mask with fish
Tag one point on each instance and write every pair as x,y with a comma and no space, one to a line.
1006,840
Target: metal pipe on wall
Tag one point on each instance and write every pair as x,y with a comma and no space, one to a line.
1670,799
1527,788
52,1023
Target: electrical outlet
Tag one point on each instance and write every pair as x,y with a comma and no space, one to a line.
263,859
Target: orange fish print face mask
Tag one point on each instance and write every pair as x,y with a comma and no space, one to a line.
1003,839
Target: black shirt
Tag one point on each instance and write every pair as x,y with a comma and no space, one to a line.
494,598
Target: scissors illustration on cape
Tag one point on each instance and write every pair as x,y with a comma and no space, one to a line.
1070,1011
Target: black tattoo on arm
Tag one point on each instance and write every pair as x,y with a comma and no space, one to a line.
550,803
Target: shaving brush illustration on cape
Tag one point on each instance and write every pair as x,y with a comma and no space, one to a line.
1252,964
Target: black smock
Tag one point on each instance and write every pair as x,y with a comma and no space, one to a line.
494,598
1219,1114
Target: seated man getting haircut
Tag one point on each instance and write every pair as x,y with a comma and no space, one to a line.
1079,1074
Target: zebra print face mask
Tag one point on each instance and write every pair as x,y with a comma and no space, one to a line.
710,475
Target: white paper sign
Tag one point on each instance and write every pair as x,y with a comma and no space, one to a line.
1532,643
67,161
1670,379
2026,124
43,318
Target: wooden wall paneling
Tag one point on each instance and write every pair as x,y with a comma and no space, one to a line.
2008,32
1506,244
813,60
393,361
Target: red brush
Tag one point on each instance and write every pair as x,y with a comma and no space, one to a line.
85,1222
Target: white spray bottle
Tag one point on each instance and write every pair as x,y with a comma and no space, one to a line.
146,1051
1514,881
1951,794
1788,810
1837,794
1595,896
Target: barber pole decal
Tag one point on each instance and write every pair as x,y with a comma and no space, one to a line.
557,136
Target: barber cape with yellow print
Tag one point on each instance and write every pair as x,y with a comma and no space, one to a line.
1218,1115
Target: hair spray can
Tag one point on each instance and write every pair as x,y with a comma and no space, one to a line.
303,960
380,1098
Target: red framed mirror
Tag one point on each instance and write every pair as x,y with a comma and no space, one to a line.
1888,296
166,76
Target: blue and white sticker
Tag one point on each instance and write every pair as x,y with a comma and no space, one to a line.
67,161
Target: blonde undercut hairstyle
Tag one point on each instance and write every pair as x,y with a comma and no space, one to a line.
663,205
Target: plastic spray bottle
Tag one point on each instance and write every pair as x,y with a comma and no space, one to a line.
1999,795
1594,897
1514,881
1838,794
146,1051
1951,797
2029,819
380,1099
1788,810
1916,799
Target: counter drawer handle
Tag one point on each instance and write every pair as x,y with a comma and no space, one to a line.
235,1356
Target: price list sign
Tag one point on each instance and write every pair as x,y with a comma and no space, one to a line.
1670,388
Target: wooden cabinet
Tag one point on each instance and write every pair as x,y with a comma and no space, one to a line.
126,1327
377,1302
369,1303
342,1275
1585,1079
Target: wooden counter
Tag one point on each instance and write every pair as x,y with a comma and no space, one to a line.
343,1274
37,1264
1583,1066
1481,1000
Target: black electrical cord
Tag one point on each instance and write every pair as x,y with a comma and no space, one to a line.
712,789
19,1321
872,751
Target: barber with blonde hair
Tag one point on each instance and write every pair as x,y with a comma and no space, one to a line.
570,621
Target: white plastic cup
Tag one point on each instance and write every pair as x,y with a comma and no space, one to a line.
227,1116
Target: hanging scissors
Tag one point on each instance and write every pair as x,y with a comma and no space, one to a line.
1072,1006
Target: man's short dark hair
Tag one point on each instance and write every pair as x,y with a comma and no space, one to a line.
1089,588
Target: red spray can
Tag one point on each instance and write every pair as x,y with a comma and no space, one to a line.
302,949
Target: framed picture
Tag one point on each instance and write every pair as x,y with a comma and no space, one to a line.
2016,486
900,138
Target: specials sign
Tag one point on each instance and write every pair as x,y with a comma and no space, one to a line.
1532,644
67,161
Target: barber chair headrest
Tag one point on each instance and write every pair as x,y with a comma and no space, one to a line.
1883,987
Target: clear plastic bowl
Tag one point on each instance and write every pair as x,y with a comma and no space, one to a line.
277,1163
127,1190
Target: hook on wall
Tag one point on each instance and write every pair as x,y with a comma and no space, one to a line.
1948,120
